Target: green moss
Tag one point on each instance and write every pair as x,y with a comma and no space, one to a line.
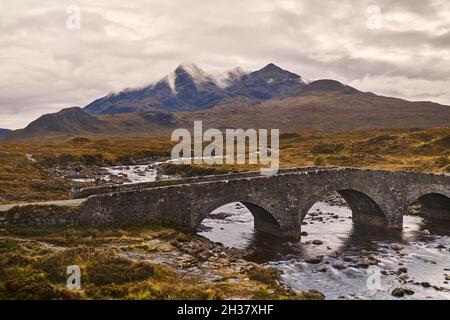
319,161
327,148
268,276
34,285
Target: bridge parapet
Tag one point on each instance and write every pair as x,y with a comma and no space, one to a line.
86,192
278,203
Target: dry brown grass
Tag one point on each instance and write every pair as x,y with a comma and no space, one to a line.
33,264
409,149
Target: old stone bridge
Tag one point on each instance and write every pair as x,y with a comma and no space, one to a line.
278,203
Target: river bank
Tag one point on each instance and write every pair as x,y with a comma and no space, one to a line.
340,258
144,262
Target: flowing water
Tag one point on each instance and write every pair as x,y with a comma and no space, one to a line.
344,273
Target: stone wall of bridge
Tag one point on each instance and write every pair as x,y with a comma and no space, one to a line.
278,203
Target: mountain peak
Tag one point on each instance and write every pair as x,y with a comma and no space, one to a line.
328,85
228,77
189,88
186,74
191,69
73,110
188,66
273,71
272,67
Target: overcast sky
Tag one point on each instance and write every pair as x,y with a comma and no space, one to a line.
45,66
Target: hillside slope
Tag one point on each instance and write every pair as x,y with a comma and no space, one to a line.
4,131
323,105
76,122
188,88
332,110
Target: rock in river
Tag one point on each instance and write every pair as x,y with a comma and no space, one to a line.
402,270
315,260
400,292
396,247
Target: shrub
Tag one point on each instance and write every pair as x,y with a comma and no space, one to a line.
268,276
381,138
442,162
80,140
444,142
327,148
92,159
319,161
187,170
289,135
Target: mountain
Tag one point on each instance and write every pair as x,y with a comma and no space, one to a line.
319,108
70,121
76,122
4,131
327,85
267,83
324,106
188,88
267,98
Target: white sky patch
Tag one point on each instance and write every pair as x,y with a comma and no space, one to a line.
413,89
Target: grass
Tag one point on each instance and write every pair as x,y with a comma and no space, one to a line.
33,265
33,260
25,180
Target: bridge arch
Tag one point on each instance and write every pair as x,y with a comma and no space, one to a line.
433,204
366,208
263,220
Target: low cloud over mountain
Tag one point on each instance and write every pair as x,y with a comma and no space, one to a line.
46,67
267,98
190,88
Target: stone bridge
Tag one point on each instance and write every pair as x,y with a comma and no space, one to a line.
278,203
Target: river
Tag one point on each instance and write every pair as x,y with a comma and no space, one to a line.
358,262
417,258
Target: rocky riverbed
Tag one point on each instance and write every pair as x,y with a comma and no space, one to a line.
144,262
98,176
342,260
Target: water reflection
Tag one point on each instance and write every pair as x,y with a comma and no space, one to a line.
425,252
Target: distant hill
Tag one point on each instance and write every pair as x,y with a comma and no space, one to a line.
327,85
188,88
74,122
71,121
341,109
267,98
4,131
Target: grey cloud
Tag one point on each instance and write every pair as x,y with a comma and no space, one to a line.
46,67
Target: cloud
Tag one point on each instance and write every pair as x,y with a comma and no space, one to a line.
46,67
411,89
